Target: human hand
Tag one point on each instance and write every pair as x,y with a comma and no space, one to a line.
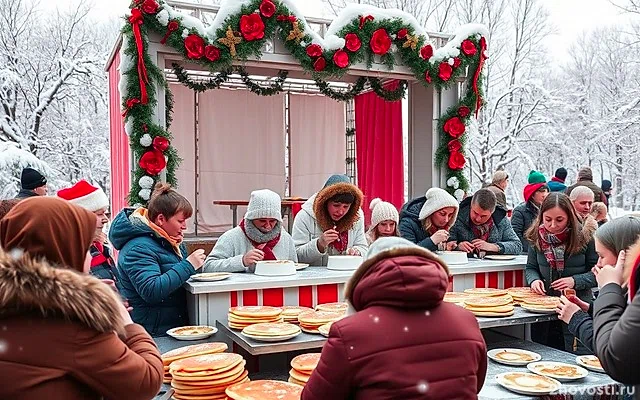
353,252
450,246
484,246
563,283
110,283
466,247
439,237
566,309
609,274
124,313
252,257
329,236
584,306
538,287
197,258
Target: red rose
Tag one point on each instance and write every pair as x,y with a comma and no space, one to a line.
457,161
252,27
150,6
445,71
426,52
267,8
152,162
212,53
454,127
320,64
160,143
314,50
468,48
464,111
173,26
352,42
456,62
454,146
341,58
380,42
402,33
427,77
194,45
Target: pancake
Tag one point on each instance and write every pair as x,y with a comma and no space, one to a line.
567,371
194,350
456,297
299,376
543,302
490,313
192,330
256,311
324,329
514,356
271,329
295,381
264,390
212,387
309,330
209,362
333,307
293,311
318,318
305,362
486,292
529,381
591,361
210,380
497,309
494,301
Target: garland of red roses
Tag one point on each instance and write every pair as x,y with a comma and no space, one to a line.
243,35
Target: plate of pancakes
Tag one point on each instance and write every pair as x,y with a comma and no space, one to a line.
242,316
340,307
492,306
540,304
210,276
527,383
310,321
271,332
517,357
324,329
189,351
484,292
302,367
290,313
558,370
264,390
192,332
590,362
456,297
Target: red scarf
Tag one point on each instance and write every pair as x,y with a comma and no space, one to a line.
483,231
341,243
553,247
267,247
100,258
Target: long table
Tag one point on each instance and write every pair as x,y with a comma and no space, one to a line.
209,302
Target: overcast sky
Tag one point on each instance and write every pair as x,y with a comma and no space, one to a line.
570,17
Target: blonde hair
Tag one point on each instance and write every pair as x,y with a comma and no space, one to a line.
499,176
166,201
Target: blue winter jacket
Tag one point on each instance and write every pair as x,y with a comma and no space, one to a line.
555,186
151,274
410,226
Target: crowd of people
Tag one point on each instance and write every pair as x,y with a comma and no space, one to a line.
77,321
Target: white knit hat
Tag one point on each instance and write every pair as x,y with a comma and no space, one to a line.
264,203
382,211
437,199
85,195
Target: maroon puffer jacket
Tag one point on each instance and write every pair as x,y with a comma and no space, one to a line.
404,342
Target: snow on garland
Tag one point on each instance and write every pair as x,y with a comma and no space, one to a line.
361,33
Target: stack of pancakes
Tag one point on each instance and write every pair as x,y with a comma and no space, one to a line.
456,297
301,368
243,316
324,329
189,351
310,321
521,293
207,377
544,303
272,330
491,306
333,307
290,313
264,390
484,292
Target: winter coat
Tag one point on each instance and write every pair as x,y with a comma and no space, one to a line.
105,267
501,196
501,234
60,328
386,351
312,221
578,266
151,274
25,194
411,227
581,326
598,195
555,186
226,255
523,217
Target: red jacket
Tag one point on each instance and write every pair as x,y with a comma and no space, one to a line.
404,342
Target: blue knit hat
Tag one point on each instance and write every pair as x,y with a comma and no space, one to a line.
333,179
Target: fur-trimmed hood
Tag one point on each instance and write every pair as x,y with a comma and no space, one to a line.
320,210
28,286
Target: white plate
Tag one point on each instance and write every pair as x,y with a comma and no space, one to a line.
492,355
210,276
537,310
271,339
201,336
499,257
579,361
524,390
581,371
300,266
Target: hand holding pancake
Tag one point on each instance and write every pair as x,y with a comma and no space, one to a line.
252,257
566,309
538,287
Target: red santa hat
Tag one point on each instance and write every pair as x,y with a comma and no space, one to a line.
85,195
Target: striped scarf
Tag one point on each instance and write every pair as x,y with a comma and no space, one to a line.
553,247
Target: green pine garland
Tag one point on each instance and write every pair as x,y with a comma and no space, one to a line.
406,46
275,88
213,83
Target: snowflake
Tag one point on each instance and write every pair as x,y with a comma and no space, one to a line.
427,313
422,387
459,194
406,329
3,346
16,253
145,194
145,140
351,348
146,182
376,320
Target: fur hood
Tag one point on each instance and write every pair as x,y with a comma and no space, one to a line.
320,211
28,286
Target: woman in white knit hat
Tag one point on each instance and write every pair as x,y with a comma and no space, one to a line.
426,221
258,237
384,220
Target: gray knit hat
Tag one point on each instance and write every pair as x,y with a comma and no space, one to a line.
333,179
264,203
437,199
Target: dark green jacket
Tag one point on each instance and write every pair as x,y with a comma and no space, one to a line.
523,216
